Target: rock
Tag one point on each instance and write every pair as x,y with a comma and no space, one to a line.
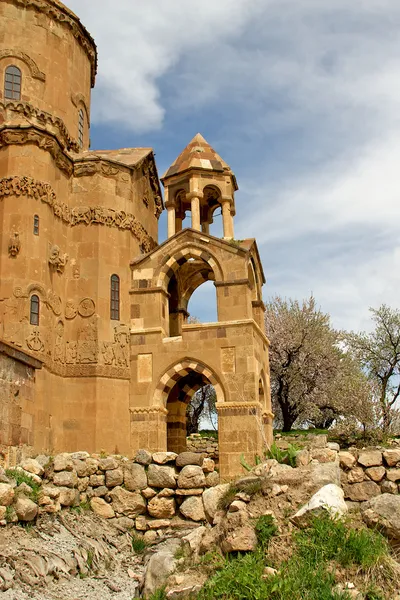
124,523
114,478
51,492
193,540
162,564
81,468
347,460
141,523
324,455
360,492
166,493
32,466
212,479
150,536
384,512
191,477
68,497
65,479
392,457
302,458
243,539
237,505
135,477
190,492
149,493
63,462
108,464
25,509
208,465
192,508
321,474
161,508
161,458
333,446
159,523
97,480
389,487
161,477
92,465
143,457
3,512
101,508
101,491
24,488
318,440
330,498
393,474
211,498
189,458
129,504
355,475
83,483
370,458
376,473
81,455
6,494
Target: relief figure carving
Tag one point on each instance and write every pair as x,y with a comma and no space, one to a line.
57,260
14,245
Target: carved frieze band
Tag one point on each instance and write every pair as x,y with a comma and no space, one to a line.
26,186
36,73
63,16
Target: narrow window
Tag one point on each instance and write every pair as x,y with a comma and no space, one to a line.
35,308
114,304
12,83
36,225
81,126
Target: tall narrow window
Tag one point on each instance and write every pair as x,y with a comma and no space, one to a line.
35,309
81,127
114,303
12,83
36,225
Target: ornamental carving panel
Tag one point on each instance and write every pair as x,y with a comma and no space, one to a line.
14,245
57,260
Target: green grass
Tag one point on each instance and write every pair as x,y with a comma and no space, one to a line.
265,529
81,508
228,497
138,544
21,477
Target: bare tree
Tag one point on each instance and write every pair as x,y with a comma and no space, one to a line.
202,406
379,353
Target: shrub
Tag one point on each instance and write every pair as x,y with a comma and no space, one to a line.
287,457
21,477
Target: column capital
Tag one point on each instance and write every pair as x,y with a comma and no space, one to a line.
195,194
226,199
170,204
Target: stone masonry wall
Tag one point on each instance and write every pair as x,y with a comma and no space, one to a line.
150,492
203,445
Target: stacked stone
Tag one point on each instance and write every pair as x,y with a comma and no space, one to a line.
368,473
203,445
150,492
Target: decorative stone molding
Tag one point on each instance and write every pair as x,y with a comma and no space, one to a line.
60,14
50,298
26,186
36,73
78,99
57,260
14,245
147,410
41,118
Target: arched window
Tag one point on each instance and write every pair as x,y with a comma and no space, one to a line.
12,83
114,298
36,225
81,127
35,309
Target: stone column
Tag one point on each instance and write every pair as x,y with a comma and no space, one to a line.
171,218
195,198
178,222
205,227
227,217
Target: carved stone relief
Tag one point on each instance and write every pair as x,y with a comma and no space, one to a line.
49,298
57,260
88,342
71,310
86,307
26,186
14,245
116,353
59,346
35,342
36,73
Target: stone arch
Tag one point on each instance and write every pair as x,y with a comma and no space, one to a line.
34,70
79,100
182,255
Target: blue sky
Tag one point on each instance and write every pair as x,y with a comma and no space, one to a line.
301,98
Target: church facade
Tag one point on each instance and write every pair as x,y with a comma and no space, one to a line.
96,350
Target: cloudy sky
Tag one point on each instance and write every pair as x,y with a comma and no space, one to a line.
301,98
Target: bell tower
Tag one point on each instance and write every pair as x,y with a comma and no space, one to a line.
199,182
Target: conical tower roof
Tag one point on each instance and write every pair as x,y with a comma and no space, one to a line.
198,154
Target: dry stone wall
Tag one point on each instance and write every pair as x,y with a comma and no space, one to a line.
203,445
149,493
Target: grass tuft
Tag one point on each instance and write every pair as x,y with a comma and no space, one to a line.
138,544
265,529
21,477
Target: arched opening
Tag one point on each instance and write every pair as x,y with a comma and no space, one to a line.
12,83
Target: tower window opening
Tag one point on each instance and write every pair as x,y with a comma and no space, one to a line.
114,298
35,310
12,83
81,127
36,225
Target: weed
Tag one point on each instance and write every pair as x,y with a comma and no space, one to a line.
212,561
159,595
82,507
250,487
228,497
21,477
180,553
90,558
265,528
9,514
283,456
138,544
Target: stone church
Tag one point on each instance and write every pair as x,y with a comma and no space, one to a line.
96,350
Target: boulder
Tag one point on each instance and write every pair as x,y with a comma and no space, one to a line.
191,477
108,464
333,446
330,498
166,493
25,509
65,479
208,465
392,457
192,541
63,462
370,458
143,457
161,508
6,494
51,491
97,480
141,523
324,455
129,504
237,505
376,473
389,487
211,498
360,492
212,479
302,458
161,458
347,460
135,477
384,512
82,468
148,493
189,458
159,476
83,483
356,475
114,478
243,539
162,564
32,466
393,474
3,512
101,508
100,491
81,455
68,497
192,508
